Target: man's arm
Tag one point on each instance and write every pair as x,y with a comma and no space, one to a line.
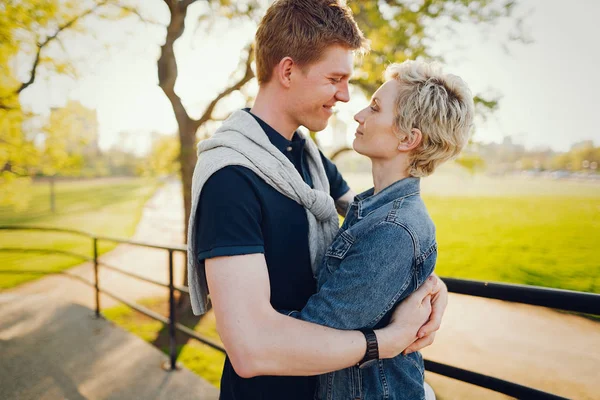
261,341
342,204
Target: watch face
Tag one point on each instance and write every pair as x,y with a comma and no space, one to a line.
367,364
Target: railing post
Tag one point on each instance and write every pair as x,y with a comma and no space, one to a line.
172,339
96,284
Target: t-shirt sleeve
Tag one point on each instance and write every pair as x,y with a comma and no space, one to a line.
337,185
229,215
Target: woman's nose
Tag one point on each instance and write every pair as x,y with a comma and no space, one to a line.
358,117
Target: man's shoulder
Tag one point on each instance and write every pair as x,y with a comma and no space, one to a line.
231,184
231,175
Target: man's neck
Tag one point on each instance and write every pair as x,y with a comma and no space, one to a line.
267,107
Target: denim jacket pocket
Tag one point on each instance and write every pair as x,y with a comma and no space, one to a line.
337,250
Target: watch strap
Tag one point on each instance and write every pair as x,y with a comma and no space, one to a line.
372,352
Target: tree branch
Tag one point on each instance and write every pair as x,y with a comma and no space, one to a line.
186,3
170,4
167,63
136,12
248,75
49,39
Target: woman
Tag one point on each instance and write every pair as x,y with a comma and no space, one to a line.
386,247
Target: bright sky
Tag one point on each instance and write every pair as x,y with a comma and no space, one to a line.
549,88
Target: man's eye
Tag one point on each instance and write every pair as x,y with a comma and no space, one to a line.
373,107
335,80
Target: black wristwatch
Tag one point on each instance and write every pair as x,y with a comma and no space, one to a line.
372,353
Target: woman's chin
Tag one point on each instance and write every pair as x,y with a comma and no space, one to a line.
357,148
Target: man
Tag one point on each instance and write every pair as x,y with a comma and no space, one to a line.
252,242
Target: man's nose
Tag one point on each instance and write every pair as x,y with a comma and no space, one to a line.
343,94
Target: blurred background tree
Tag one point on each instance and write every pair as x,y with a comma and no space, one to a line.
398,30
32,35
163,158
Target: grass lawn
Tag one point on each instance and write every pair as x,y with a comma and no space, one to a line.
533,240
529,231
110,207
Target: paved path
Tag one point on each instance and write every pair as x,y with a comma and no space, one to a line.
533,346
52,347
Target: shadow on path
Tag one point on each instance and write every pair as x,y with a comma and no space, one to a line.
68,353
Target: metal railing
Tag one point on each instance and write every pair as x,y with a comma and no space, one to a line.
171,320
581,302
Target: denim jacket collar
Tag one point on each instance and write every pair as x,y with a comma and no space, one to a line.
367,202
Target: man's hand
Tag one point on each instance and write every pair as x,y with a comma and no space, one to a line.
408,317
426,335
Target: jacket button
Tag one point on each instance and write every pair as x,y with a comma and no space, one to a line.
289,148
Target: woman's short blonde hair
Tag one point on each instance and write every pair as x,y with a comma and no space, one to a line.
439,105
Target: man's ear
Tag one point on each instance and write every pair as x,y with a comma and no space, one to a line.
411,141
283,71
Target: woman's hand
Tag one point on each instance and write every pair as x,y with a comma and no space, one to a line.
426,335
408,317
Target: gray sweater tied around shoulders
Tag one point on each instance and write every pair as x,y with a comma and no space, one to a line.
241,141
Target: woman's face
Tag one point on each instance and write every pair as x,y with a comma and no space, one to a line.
375,136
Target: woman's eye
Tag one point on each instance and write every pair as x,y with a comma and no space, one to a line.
373,107
335,80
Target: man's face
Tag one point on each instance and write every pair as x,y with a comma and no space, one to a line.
316,88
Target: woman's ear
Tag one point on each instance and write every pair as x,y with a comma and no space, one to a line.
411,141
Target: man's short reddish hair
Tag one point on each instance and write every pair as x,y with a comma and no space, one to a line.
302,30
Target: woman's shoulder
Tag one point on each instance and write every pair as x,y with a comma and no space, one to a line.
411,213
403,219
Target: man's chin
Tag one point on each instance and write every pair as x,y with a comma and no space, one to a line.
316,126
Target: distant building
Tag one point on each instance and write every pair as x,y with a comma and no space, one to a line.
584,144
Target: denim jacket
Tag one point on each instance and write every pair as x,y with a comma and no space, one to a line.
383,252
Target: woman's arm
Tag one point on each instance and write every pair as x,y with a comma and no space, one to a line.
374,276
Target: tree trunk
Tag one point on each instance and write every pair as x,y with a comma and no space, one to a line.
167,77
52,196
187,160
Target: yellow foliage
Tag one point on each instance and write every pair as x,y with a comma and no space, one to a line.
15,191
25,28
70,132
163,158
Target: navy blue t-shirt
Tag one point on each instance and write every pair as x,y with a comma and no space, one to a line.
239,214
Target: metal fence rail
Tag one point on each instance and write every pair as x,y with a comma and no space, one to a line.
568,300
581,302
489,382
